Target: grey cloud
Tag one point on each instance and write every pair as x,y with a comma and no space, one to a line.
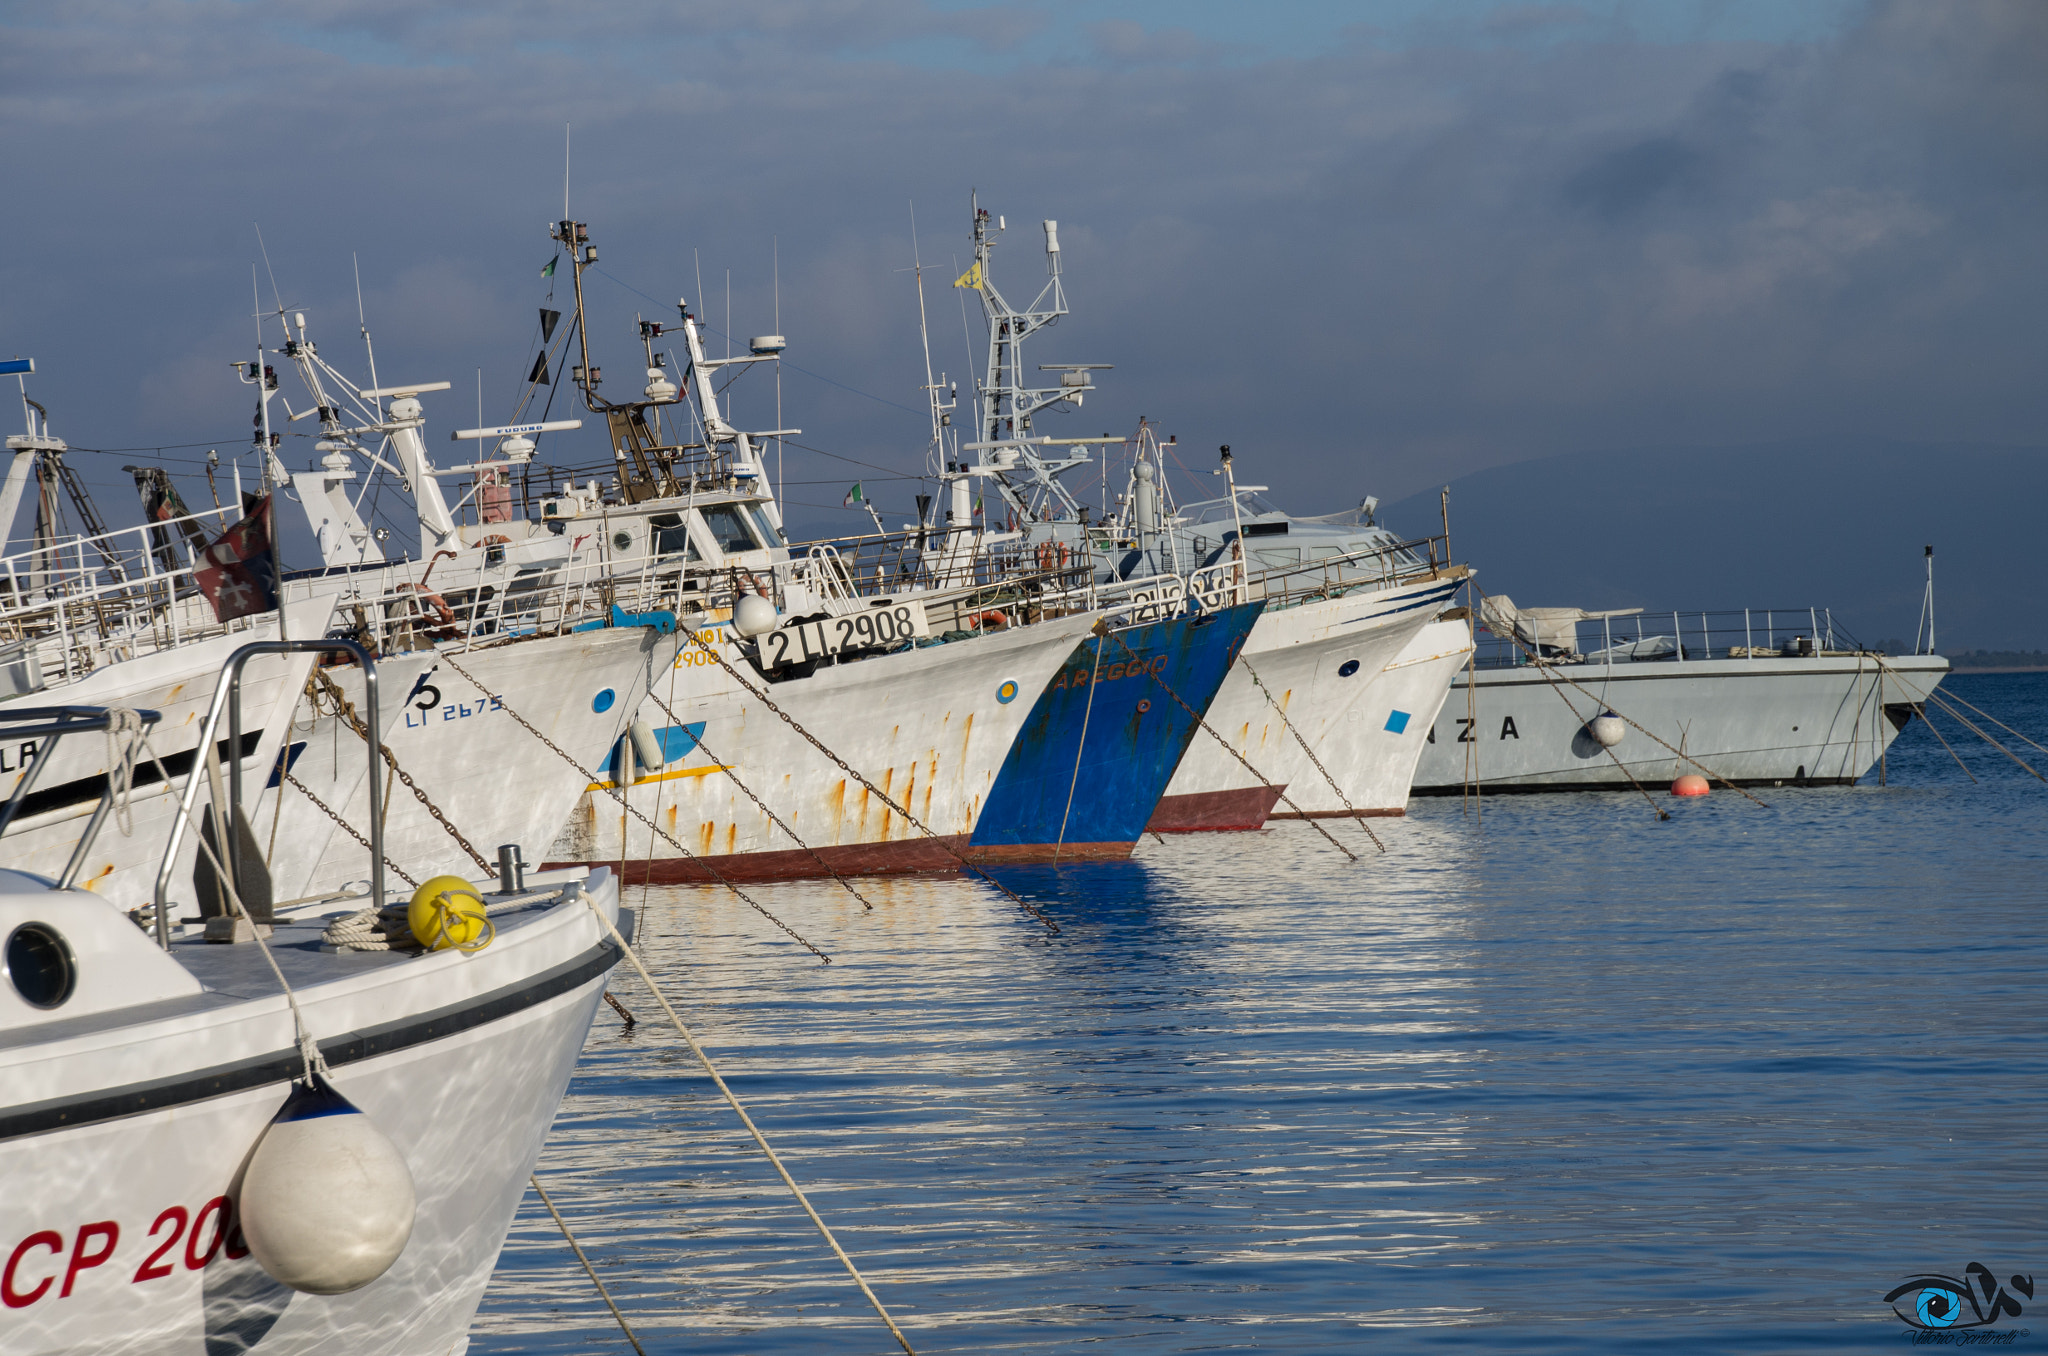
1370,270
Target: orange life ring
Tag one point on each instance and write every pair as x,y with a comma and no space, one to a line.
986,620
1046,556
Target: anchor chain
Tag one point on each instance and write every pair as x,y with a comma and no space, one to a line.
747,791
627,805
347,827
885,797
345,709
1197,717
1349,809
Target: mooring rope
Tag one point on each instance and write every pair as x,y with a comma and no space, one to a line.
619,796
732,774
124,739
886,799
1074,782
588,1269
1349,809
1940,700
1676,753
734,1102
1260,777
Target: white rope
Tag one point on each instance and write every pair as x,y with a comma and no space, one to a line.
124,741
309,1049
747,1121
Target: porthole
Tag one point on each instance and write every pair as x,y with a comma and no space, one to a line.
622,540
1347,668
39,965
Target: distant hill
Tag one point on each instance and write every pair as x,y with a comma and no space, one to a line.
1790,525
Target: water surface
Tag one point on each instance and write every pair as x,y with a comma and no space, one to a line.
1551,1076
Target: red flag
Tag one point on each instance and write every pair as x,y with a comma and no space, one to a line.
238,573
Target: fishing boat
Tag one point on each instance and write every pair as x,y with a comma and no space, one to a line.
1562,699
260,1135
880,709
510,655
1343,596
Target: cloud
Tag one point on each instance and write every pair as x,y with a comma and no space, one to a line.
1368,268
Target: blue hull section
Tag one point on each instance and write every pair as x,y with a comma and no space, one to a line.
1135,736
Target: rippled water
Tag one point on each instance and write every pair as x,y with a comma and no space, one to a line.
1553,1077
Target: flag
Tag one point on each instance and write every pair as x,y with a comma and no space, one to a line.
548,270
239,576
161,503
977,506
971,278
539,375
853,496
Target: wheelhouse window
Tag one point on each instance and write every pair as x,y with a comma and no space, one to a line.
728,527
767,529
671,537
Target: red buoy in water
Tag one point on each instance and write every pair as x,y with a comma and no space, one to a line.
1691,784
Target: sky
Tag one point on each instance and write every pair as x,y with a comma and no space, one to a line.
1374,246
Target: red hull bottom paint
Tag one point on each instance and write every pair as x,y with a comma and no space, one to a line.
1215,811
1343,814
905,857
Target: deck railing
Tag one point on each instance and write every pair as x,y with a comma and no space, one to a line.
1671,637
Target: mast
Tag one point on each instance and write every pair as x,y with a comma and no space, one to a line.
1030,484
646,463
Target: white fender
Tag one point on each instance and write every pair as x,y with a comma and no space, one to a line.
646,748
326,1202
753,615
1607,729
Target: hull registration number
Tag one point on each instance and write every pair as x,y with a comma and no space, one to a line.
828,636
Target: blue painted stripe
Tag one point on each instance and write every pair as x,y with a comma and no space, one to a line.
1426,600
1136,733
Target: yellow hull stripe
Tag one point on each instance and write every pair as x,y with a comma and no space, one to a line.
704,771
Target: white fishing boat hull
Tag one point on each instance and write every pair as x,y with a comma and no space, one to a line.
1812,720
1387,730
930,727
488,776
1320,664
178,683
122,1167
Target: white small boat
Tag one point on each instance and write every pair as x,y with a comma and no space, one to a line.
1759,698
139,1074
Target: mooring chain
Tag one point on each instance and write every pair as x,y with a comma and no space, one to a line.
1256,774
347,827
884,796
347,711
747,791
619,796
1535,658
1349,809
